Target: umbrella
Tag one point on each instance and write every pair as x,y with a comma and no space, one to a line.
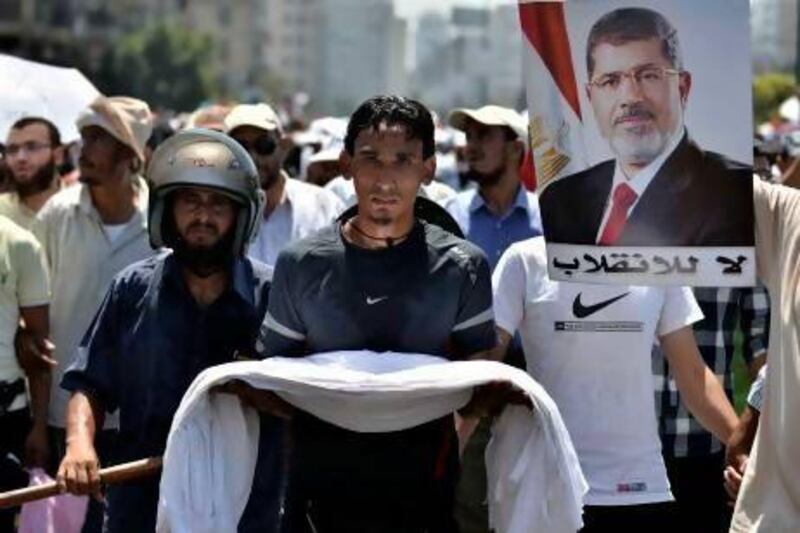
28,88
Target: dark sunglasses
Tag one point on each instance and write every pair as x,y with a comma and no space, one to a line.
263,145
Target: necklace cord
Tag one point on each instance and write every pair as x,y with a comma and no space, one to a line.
389,240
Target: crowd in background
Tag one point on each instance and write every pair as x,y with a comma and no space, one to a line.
74,242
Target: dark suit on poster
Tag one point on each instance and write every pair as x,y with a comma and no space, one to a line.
696,198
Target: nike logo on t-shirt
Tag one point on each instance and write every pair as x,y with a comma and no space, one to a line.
582,311
372,301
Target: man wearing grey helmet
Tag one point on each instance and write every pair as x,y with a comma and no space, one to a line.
167,318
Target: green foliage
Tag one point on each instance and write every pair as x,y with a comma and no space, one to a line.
166,65
769,92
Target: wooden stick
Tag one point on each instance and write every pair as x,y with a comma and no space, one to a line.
108,476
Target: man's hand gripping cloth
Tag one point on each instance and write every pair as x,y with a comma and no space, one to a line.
534,480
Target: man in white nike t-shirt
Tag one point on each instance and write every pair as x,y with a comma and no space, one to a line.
589,346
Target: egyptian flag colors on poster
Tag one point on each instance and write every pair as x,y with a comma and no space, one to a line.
554,109
688,219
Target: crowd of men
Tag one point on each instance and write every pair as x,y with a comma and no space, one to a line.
158,254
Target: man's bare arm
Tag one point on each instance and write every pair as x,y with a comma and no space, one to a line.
791,177
37,323
33,347
490,398
755,365
738,449
498,353
699,387
79,472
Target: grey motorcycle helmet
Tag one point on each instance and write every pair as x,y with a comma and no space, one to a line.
205,158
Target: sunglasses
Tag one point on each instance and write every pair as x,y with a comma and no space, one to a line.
264,145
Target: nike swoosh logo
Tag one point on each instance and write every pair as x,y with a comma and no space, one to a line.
373,301
582,311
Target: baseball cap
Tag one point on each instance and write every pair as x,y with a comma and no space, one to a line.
127,119
210,117
259,116
326,154
490,115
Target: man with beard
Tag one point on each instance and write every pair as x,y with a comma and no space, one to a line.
294,209
495,216
662,189
33,153
90,232
500,212
168,317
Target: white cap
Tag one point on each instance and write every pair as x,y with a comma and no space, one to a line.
326,155
259,116
490,115
128,119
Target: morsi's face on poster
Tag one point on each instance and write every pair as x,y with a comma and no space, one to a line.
634,177
638,95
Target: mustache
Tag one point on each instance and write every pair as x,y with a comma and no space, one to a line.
85,162
634,111
202,225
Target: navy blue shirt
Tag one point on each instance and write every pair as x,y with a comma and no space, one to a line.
147,343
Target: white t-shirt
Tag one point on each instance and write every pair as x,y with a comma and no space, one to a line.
589,346
114,231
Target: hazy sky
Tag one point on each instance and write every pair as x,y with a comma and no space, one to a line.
413,8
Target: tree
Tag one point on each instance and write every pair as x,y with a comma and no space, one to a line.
769,92
165,65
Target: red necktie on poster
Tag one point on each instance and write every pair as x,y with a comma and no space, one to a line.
622,200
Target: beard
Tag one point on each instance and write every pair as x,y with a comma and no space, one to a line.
40,181
639,145
639,149
486,179
267,177
203,261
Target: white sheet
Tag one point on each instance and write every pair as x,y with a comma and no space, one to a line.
534,480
